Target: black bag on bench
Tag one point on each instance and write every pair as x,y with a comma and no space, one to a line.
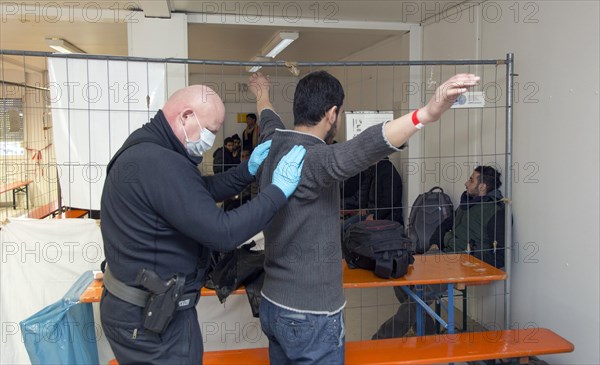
380,246
229,271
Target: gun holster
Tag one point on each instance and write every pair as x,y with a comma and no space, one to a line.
163,300
160,300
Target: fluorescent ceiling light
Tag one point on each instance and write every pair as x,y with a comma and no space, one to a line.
257,67
279,43
62,46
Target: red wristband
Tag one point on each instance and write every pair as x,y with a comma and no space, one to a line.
416,121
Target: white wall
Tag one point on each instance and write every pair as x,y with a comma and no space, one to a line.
161,38
375,87
555,278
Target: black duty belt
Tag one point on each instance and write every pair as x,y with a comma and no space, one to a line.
140,297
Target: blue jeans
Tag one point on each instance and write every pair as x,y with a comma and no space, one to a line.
302,338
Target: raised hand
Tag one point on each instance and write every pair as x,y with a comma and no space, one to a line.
445,95
259,85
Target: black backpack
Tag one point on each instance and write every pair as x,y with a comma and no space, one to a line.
428,211
378,245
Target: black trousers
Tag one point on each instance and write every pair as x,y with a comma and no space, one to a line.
180,343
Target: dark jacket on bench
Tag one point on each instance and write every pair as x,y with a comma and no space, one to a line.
158,212
378,188
303,251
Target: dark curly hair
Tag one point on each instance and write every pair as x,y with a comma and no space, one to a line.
490,177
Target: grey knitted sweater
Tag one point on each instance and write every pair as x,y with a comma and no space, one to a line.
303,256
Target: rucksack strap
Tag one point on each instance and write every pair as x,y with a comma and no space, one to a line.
384,265
391,265
436,188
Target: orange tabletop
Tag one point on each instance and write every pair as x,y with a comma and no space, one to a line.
72,213
17,186
430,269
93,292
14,185
427,269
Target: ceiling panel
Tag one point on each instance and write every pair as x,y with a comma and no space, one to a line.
322,12
96,38
238,42
213,41
242,43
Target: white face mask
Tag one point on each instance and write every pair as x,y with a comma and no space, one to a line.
203,144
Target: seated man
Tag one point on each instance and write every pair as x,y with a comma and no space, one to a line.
476,227
223,158
237,148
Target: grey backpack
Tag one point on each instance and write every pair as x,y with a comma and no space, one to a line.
428,211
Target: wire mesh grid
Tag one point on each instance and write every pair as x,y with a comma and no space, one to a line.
93,102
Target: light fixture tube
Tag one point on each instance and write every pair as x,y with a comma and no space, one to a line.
279,43
62,46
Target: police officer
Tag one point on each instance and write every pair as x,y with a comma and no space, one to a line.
160,220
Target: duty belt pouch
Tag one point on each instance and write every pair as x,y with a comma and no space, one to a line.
163,301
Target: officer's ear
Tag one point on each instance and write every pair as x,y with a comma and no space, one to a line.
186,114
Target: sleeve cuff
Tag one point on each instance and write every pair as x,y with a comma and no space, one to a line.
275,194
401,148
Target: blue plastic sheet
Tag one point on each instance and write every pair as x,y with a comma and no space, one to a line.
63,332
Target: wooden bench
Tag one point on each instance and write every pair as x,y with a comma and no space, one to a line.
440,269
516,345
55,210
16,187
44,211
435,269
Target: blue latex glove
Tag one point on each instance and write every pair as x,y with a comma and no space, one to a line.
258,156
288,171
